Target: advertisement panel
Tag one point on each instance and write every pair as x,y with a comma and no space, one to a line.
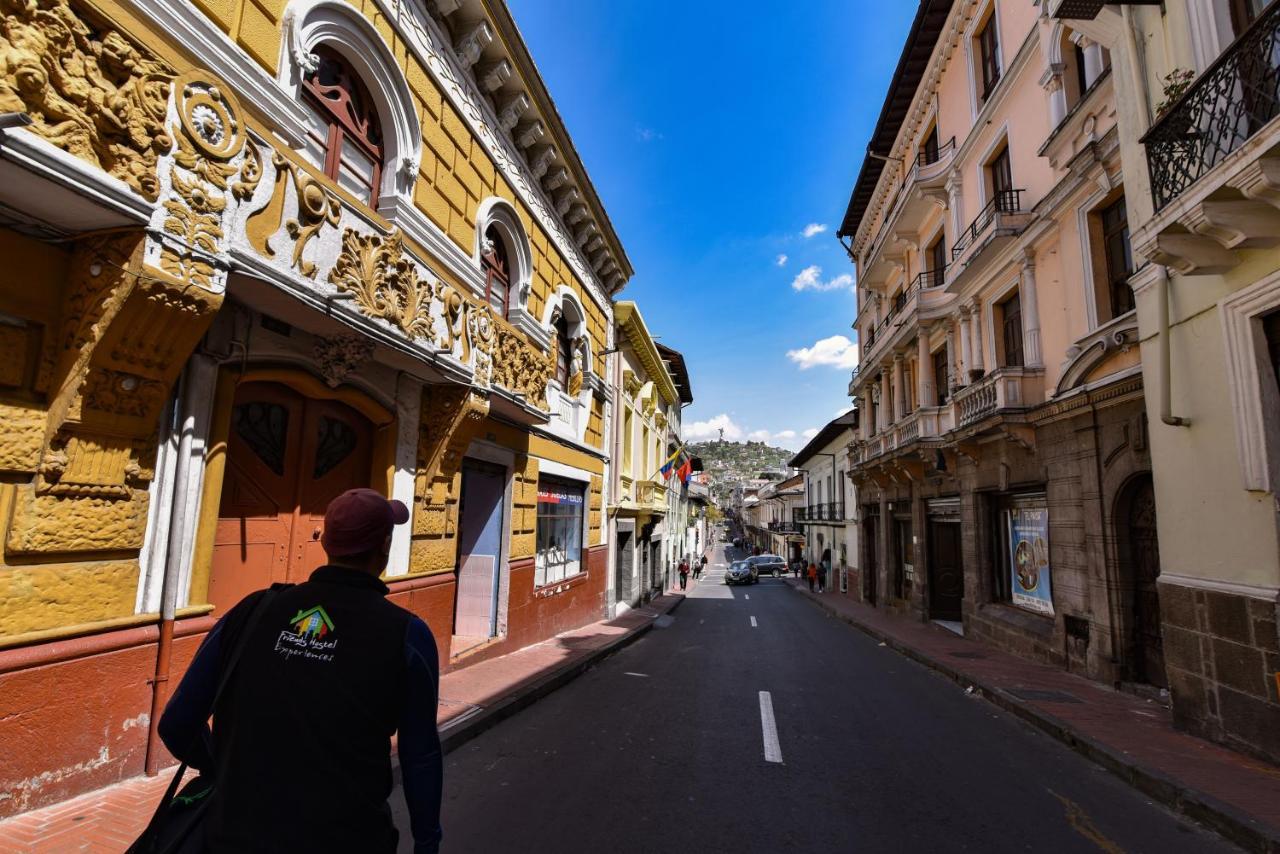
1029,559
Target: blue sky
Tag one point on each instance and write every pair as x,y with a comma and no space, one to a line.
718,134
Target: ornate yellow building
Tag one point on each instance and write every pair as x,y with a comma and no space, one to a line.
259,253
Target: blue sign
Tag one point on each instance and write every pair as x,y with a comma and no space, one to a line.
1029,559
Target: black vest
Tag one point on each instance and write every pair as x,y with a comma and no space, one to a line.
302,732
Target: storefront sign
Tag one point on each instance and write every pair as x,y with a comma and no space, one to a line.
1029,559
558,496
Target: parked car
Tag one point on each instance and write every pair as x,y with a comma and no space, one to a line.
740,572
768,564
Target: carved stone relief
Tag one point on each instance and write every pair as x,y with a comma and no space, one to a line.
340,355
316,208
386,283
89,90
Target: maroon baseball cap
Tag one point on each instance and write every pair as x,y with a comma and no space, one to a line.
359,520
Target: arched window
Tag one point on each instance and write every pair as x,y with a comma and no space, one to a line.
564,351
344,137
497,270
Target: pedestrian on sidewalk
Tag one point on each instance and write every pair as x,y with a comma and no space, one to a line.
329,671
684,574
812,575
822,577
702,566
796,566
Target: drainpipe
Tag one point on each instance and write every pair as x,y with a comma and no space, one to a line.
1166,378
184,419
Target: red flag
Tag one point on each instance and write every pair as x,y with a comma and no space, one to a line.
685,470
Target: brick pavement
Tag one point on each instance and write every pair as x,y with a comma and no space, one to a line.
471,699
1236,795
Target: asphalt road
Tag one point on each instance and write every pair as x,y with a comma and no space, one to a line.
661,748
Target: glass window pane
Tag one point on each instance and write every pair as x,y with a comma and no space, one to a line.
317,139
355,171
497,294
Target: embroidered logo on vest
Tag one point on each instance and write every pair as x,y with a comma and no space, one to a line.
310,638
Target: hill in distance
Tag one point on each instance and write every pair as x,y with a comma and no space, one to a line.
728,462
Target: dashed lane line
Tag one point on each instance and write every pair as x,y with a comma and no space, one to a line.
753,623
769,728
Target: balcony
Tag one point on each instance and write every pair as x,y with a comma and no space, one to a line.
1214,160
921,191
923,297
1003,390
828,512
1000,220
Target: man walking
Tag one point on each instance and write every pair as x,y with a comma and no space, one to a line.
329,671
684,573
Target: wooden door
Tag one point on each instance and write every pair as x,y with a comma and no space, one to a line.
946,572
871,556
287,457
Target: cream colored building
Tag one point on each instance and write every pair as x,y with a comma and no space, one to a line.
1002,446
1202,176
647,404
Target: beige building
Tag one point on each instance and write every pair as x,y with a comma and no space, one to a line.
1202,174
1002,458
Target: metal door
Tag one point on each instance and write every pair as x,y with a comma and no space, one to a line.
287,457
626,567
946,571
1144,557
479,549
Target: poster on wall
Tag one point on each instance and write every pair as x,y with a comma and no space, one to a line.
1029,559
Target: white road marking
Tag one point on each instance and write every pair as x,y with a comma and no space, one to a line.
772,750
748,595
641,675
753,622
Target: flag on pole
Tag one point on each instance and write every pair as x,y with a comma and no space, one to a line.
669,466
686,470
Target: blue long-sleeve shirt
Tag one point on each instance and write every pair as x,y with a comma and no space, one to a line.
185,731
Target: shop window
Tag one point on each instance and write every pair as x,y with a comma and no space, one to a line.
1023,573
988,55
495,262
1119,257
561,505
1010,313
344,137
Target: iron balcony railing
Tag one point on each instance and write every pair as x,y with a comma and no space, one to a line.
1003,202
931,278
1232,100
828,512
929,156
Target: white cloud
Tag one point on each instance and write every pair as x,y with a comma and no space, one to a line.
844,410
810,279
758,436
810,433
782,261
645,134
785,434
701,431
813,228
836,351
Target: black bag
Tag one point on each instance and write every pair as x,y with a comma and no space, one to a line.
175,828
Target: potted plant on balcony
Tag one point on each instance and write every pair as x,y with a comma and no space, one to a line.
1174,86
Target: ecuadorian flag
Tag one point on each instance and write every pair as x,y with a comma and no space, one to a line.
670,465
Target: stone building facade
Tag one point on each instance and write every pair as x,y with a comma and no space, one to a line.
259,254
1002,461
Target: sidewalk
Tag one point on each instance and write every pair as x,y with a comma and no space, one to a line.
471,700
1235,795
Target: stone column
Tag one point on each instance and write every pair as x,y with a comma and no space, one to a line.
924,371
1057,94
955,202
964,358
975,335
1030,305
1092,60
899,389
886,397
865,422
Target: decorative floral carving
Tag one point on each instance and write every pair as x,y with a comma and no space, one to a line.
482,332
250,173
340,355
121,393
521,367
316,207
88,89
195,218
385,282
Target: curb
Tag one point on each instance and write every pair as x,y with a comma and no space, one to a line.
454,736
1225,820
